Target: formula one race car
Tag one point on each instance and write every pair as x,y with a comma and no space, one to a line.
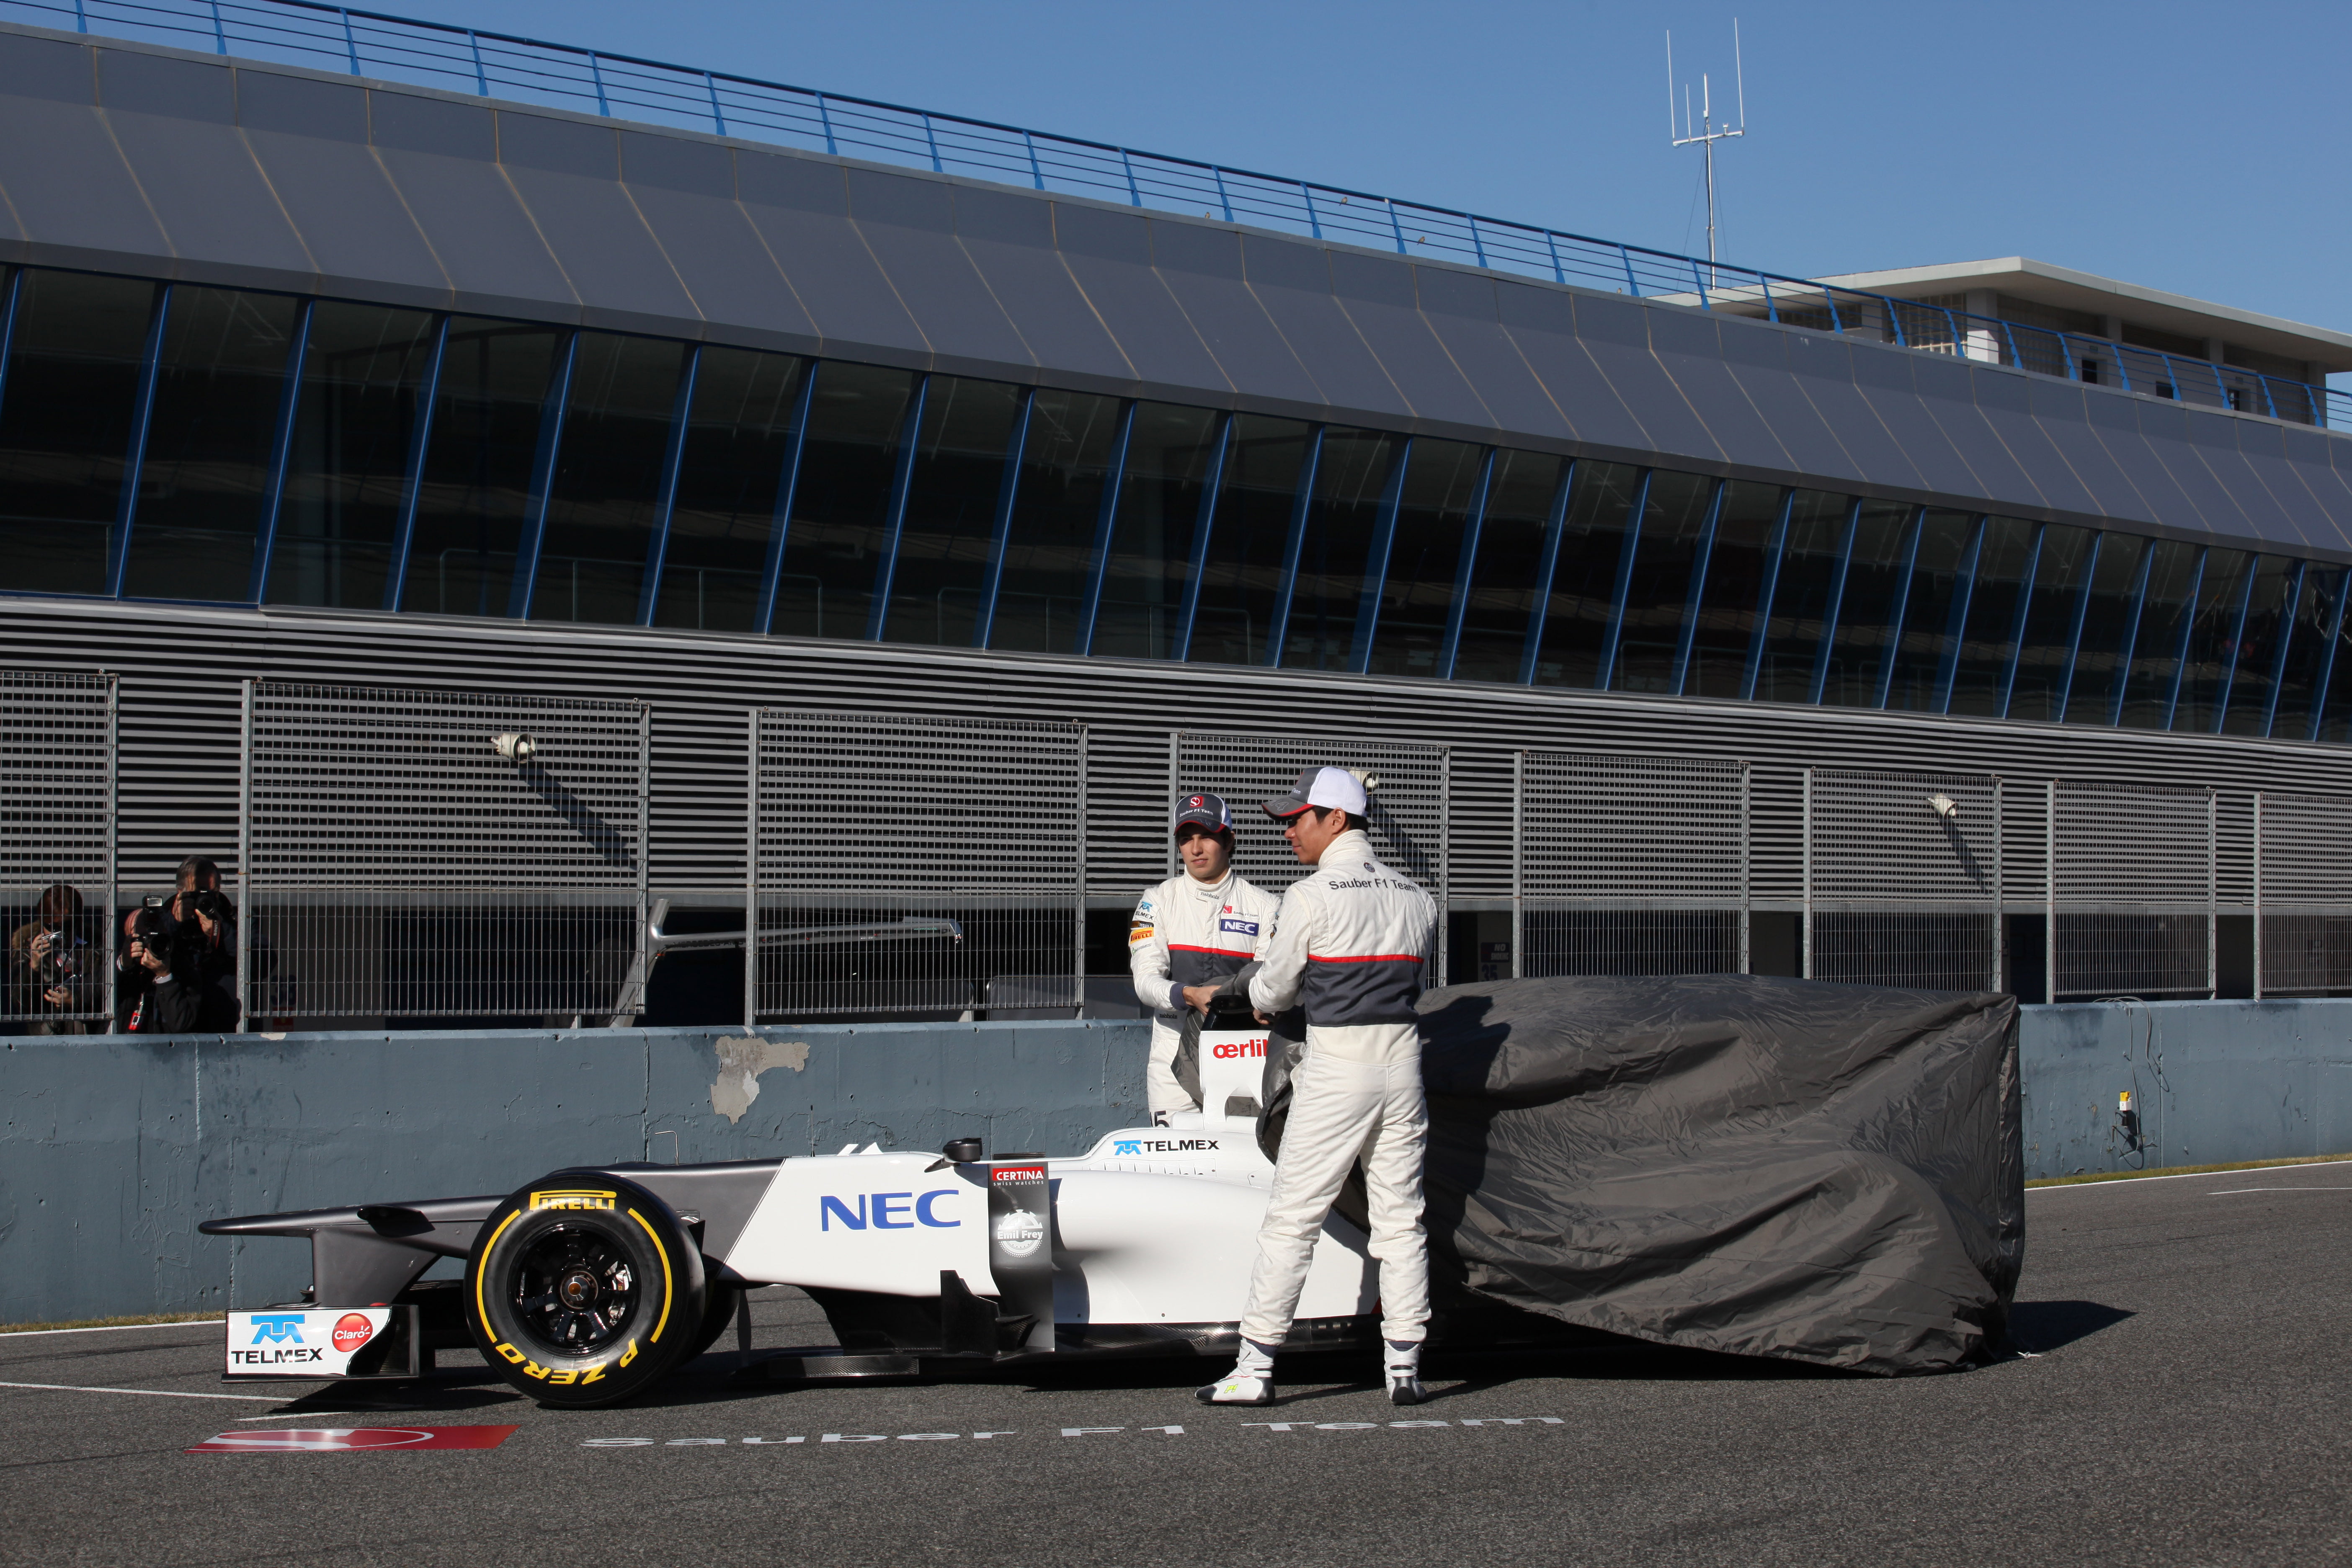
1735,1163
589,1284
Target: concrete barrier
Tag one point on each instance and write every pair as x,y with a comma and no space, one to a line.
115,1147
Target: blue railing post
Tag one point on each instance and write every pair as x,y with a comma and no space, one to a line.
2268,402
2171,376
1396,227
824,119
681,410
717,120
481,77
1626,259
1837,322
2123,371
220,34
1700,284
1036,174
1134,192
1551,243
126,505
2010,338
1313,226
1478,246
82,17
350,42
411,487
281,447
932,138
597,75
1224,200
2066,352
1771,310
1893,319
763,614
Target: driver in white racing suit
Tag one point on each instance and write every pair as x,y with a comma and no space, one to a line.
1190,933
1350,941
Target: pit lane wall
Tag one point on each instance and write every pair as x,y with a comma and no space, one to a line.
113,1147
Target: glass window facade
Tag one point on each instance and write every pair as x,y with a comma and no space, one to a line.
173,441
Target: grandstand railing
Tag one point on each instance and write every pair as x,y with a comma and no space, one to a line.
563,76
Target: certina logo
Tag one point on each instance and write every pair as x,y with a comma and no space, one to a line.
572,1199
352,1330
1238,1048
887,1211
1018,1174
277,1328
1164,1146
1020,1233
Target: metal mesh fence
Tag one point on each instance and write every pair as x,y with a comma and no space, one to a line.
57,847
432,855
2302,894
2133,886
1408,789
1902,878
915,866
1629,865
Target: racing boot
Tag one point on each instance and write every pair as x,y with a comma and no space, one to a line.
1402,1367
1250,1382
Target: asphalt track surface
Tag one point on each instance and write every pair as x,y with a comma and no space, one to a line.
2189,1406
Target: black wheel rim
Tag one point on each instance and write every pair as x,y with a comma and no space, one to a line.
573,1290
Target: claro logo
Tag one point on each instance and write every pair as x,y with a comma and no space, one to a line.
885,1211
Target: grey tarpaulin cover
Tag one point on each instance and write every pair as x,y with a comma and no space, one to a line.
1828,1173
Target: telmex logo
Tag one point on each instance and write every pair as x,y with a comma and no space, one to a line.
575,1199
277,1328
1239,1048
1163,1145
1018,1174
885,1211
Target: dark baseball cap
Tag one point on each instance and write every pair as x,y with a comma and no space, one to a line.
1207,810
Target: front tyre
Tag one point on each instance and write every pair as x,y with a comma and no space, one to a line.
583,1289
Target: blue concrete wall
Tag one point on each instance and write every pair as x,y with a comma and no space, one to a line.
113,1148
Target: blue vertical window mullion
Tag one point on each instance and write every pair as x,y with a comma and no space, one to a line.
1629,547
1105,527
2286,637
281,450
1956,625
2327,664
2018,618
1777,543
787,484
1700,559
1279,626
8,327
902,474
2131,631
1460,609
1376,560
1181,648
666,492
1902,606
2229,676
543,480
1555,525
1837,603
1008,489
2181,645
126,505
2075,626
403,530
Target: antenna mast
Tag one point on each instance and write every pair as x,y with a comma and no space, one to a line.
1706,134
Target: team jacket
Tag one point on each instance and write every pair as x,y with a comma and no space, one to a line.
1189,933
1349,943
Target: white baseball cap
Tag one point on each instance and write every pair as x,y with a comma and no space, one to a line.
1325,787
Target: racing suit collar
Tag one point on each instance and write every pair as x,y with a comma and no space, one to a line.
1209,891
1351,845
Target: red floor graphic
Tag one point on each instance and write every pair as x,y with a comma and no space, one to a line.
346,1440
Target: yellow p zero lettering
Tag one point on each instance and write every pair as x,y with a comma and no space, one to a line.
481,1314
626,1357
535,1370
573,1198
663,1322
563,1376
509,1351
593,1375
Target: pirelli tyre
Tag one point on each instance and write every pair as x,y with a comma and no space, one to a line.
583,1289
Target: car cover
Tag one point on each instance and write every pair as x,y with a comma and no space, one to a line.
1768,1167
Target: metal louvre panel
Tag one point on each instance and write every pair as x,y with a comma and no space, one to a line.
2302,894
908,865
2132,890
397,865
1903,875
1632,865
57,764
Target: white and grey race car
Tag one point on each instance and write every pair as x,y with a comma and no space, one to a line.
587,1285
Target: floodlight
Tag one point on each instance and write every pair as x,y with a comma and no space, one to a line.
515,747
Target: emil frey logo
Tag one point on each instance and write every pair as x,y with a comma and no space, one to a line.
1164,1146
352,1330
277,1328
1020,1233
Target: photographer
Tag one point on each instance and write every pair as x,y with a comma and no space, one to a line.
178,971
51,970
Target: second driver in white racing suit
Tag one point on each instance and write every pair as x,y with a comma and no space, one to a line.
1351,944
1189,933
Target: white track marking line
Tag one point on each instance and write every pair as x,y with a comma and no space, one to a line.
2225,1192
6,1335
305,1414
2182,1176
153,1393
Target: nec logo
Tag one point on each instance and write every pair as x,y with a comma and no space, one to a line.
1239,928
885,1211
277,1328
1163,1146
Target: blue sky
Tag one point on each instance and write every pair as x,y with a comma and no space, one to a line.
2180,146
